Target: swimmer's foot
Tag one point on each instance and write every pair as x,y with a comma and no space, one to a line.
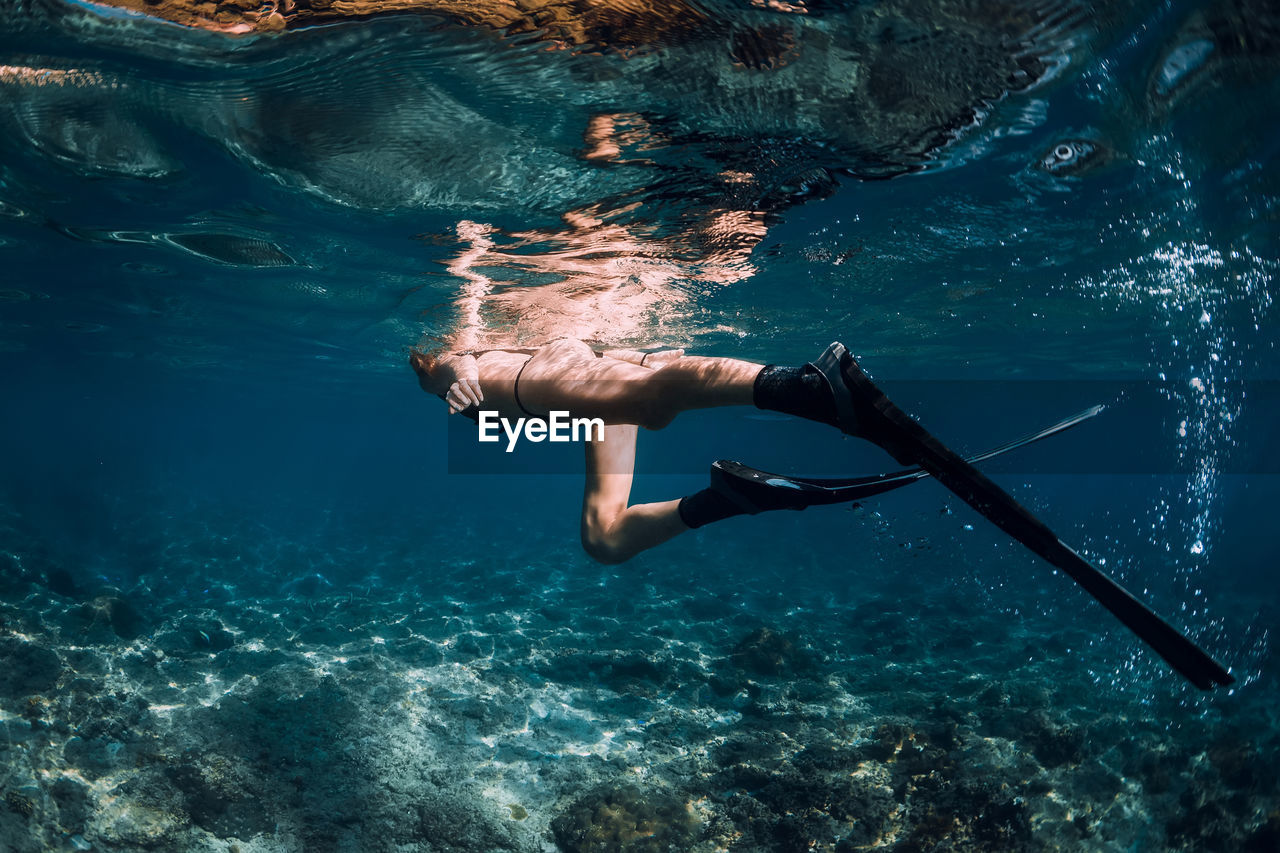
799,391
862,409
832,390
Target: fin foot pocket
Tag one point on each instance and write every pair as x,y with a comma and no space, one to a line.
859,402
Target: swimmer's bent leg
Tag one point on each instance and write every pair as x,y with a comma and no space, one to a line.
613,532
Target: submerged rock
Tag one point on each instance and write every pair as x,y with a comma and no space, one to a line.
625,819
62,582
803,807
456,824
110,617
132,825
19,803
1266,837
28,669
969,816
74,803
217,793
1204,820
625,672
1240,764
1054,745
1157,769
195,634
770,652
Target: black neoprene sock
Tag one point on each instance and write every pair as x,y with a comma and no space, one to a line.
705,507
790,390
794,391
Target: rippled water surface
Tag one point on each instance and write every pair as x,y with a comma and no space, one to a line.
244,604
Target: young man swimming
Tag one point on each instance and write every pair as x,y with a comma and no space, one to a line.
627,389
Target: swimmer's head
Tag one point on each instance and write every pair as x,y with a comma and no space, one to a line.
422,365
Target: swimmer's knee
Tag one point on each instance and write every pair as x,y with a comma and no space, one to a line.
657,417
600,543
656,409
603,549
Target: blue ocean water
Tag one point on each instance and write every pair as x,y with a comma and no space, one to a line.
258,592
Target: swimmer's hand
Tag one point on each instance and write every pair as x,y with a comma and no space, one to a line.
455,377
463,394
463,375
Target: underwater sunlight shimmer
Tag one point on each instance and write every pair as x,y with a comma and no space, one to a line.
261,593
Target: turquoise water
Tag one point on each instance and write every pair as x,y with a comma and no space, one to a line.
257,592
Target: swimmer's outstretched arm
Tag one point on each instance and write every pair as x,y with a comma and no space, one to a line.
455,377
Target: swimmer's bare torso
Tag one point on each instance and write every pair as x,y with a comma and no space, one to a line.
565,375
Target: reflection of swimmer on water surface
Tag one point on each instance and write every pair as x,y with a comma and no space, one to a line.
871,87
595,280
564,22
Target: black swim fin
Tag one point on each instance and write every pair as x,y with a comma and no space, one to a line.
758,491
865,411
